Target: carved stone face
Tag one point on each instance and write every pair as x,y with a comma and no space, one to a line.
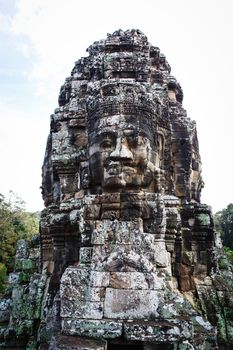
121,156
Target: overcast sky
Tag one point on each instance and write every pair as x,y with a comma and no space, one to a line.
41,39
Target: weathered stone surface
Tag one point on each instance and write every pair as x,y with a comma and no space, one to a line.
5,310
62,342
21,311
22,250
131,304
122,183
128,280
128,251
161,332
93,328
79,309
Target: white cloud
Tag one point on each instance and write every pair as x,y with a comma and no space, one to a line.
4,23
24,48
23,140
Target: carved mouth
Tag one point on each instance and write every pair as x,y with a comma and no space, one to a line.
116,168
113,168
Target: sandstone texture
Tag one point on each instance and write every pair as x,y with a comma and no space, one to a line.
129,256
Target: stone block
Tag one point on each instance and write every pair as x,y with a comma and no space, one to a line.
73,283
98,237
76,308
59,219
110,214
95,294
34,254
92,328
82,292
22,249
75,276
110,206
85,254
14,277
99,279
110,198
25,264
75,216
18,307
161,256
149,225
128,280
131,304
64,342
154,281
92,211
129,210
5,310
160,332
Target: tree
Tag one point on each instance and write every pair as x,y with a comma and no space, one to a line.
224,224
3,276
15,223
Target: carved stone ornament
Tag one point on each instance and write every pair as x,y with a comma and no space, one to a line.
127,248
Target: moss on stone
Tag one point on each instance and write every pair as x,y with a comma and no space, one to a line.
203,219
31,345
25,264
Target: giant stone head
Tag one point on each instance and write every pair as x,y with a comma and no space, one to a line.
123,222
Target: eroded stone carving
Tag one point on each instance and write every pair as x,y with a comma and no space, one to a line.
128,248
128,224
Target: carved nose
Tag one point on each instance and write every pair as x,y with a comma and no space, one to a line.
121,151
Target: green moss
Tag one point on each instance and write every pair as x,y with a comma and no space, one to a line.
31,345
203,219
24,327
3,277
24,277
221,327
25,264
185,346
229,327
223,263
45,334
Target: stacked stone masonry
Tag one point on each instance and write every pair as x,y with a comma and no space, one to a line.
129,255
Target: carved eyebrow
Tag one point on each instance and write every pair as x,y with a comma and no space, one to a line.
129,132
106,134
135,133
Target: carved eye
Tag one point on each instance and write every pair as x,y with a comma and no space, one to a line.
132,141
106,143
139,140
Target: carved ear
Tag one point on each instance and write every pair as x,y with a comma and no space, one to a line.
85,178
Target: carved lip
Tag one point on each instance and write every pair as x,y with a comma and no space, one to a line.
117,168
114,170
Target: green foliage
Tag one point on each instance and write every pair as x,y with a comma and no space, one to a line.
224,224
3,277
15,223
229,254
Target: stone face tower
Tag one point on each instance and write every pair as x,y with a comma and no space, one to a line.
128,247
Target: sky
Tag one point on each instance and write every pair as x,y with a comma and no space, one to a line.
41,39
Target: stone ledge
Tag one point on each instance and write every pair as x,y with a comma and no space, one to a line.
64,342
92,328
